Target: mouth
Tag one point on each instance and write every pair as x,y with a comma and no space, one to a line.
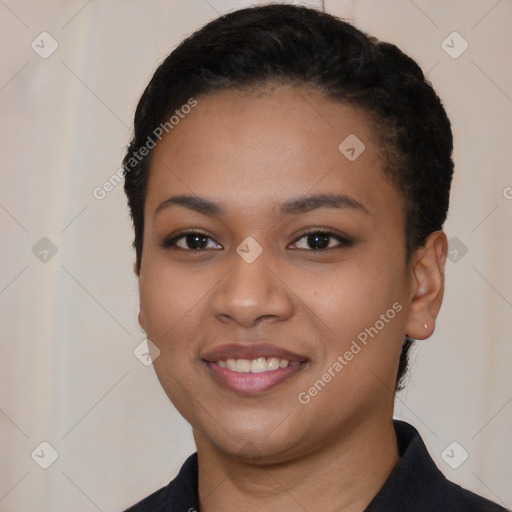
252,369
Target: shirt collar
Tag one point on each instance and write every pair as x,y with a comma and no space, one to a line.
414,484
414,481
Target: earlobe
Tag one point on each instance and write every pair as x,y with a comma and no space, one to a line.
141,320
427,286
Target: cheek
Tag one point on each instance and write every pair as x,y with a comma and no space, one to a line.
364,308
170,299
173,313
353,295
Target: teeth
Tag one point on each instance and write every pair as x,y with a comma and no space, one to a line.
259,365
242,365
273,363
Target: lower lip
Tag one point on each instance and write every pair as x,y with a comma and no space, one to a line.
252,383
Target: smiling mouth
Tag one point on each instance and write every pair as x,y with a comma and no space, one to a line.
259,365
252,368
252,377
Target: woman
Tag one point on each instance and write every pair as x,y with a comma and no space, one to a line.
288,182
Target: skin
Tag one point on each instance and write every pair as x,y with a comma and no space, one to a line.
250,152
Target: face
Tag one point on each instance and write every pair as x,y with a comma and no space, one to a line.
273,278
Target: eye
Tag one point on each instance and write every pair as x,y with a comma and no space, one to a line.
321,240
191,241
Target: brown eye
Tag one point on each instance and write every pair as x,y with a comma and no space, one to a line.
321,240
191,241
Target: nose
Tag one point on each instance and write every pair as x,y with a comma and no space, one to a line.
251,293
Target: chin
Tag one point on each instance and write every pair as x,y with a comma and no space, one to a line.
260,452
255,444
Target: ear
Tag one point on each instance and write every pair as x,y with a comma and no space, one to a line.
136,269
427,285
141,319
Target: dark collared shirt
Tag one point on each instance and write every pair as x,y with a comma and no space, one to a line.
414,485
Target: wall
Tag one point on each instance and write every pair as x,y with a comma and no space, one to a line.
68,296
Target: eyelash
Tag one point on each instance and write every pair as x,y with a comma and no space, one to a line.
170,243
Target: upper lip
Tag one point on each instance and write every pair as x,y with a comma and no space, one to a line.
249,351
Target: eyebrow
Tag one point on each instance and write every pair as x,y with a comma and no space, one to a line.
198,204
289,207
308,203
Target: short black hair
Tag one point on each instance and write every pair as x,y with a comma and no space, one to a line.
300,46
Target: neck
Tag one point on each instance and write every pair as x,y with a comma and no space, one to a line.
341,476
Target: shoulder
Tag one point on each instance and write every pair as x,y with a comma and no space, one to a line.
458,499
416,483
156,502
180,495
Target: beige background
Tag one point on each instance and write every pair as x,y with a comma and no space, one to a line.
68,375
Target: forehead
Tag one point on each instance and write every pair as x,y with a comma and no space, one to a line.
278,142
